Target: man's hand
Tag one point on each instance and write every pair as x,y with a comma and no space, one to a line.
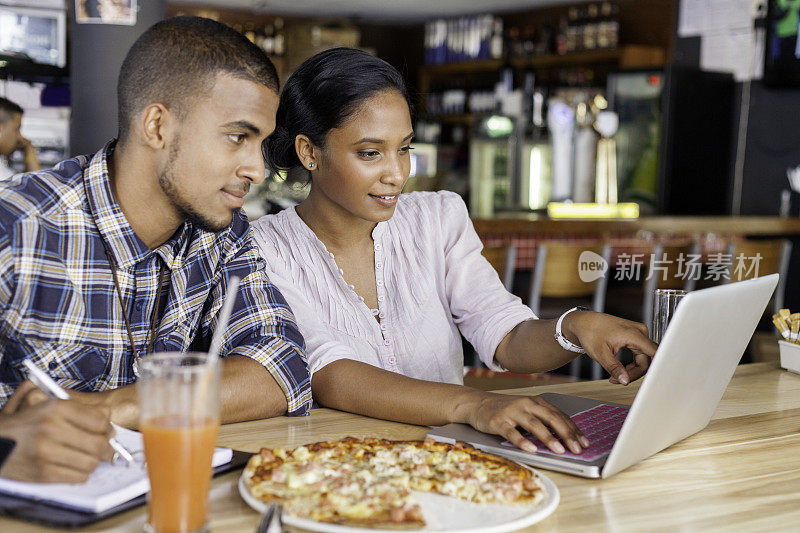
603,336
29,154
56,440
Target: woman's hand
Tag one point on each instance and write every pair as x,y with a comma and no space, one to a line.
603,336
502,414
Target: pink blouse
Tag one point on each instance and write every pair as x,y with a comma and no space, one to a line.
432,282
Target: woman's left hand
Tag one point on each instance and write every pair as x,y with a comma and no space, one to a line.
603,336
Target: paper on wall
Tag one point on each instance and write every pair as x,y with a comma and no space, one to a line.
692,18
729,43
25,95
759,49
701,17
734,51
729,15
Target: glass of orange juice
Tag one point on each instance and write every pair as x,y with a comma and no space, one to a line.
179,420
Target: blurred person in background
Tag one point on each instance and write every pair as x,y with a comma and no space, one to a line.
12,140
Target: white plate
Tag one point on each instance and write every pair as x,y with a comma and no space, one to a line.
443,513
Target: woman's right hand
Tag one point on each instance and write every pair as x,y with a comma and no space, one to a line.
502,414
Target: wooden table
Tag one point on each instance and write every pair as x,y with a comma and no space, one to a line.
742,473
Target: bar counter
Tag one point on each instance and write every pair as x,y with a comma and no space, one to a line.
634,236
741,473
539,224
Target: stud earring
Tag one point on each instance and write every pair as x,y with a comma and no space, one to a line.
311,165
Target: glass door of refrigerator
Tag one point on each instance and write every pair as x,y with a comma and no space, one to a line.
493,166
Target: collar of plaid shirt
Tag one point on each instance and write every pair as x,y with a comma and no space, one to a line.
126,247
59,307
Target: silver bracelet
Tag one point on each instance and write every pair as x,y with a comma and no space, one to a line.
562,340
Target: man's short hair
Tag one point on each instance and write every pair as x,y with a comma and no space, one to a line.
178,59
8,109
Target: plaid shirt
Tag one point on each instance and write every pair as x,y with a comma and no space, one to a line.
59,306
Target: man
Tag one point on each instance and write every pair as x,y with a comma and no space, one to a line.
129,252
12,140
786,17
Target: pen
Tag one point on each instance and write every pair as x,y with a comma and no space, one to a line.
52,389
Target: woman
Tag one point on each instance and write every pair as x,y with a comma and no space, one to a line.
382,283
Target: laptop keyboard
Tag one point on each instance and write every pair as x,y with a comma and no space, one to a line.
600,424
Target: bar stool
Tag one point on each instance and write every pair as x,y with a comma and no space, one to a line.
772,257
503,259
556,275
667,276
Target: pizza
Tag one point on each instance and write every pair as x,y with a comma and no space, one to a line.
369,482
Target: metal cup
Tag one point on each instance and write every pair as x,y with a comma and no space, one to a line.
665,301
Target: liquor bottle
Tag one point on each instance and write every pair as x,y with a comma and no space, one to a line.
607,125
535,168
608,26
544,42
268,41
460,40
528,41
514,42
496,46
561,36
279,41
250,32
486,25
589,28
573,33
561,122
528,88
585,153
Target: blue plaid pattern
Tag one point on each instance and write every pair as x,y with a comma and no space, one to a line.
59,307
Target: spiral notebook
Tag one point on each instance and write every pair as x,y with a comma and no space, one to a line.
108,486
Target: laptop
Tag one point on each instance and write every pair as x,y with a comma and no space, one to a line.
691,370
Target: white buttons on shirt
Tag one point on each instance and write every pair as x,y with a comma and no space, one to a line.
330,254
361,298
379,264
392,360
380,283
351,287
381,315
378,247
387,342
375,312
380,298
384,327
341,272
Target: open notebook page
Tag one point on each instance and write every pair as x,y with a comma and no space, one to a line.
108,486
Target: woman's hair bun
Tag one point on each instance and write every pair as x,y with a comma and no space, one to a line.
278,150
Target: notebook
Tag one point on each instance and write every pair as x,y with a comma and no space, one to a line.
108,486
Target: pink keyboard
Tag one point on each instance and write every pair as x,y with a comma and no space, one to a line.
601,426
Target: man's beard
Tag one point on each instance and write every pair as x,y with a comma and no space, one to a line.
167,182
